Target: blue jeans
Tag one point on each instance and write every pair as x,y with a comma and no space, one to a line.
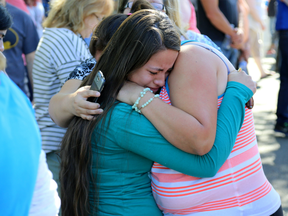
273,32
231,53
53,162
282,105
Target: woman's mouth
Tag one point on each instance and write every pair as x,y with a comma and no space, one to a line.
154,89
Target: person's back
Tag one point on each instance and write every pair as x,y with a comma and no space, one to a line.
180,194
122,177
20,149
21,38
19,4
59,52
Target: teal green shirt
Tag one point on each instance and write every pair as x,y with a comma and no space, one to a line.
126,151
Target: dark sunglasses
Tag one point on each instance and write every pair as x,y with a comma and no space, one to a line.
157,6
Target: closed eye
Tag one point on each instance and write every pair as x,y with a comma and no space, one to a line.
153,73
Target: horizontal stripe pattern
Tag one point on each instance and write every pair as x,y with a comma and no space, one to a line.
58,53
239,184
230,202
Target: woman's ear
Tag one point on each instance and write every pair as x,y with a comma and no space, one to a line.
90,23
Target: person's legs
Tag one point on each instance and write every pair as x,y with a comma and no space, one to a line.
282,106
255,51
274,36
234,54
53,162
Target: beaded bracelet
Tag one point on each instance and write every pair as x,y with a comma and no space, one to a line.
149,101
139,98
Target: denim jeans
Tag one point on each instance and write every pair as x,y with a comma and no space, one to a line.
282,105
53,162
273,32
231,53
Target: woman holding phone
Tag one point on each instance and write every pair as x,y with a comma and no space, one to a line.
60,50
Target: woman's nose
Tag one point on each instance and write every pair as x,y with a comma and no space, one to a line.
160,79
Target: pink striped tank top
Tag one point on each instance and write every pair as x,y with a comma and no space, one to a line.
239,188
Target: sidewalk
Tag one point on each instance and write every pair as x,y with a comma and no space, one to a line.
273,146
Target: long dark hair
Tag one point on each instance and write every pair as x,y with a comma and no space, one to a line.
104,32
141,35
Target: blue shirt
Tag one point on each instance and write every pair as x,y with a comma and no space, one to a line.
21,38
20,144
282,16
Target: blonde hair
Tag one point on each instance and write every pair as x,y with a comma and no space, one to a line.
173,11
2,62
71,13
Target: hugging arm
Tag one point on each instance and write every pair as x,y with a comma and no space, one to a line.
193,90
191,124
71,101
145,140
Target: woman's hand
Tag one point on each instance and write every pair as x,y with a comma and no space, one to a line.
242,77
83,108
129,92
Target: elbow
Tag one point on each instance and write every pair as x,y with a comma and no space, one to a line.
210,171
211,174
205,146
202,151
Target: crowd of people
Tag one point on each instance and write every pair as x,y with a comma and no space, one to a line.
172,132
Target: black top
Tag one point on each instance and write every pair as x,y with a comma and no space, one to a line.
272,7
228,8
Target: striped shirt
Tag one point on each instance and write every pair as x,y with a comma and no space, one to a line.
58,53
239,188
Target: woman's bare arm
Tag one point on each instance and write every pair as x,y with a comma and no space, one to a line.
71,101
194,90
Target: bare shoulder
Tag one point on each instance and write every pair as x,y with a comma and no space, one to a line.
193,57
199,54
